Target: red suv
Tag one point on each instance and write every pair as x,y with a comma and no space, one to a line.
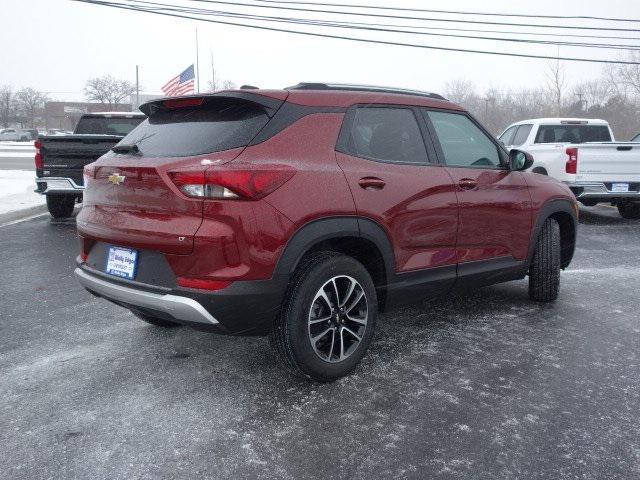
301,213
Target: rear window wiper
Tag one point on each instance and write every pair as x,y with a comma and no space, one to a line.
133,148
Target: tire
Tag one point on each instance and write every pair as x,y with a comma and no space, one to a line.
158,322
629,210
544,271
61,206
306,313
539,171
589,203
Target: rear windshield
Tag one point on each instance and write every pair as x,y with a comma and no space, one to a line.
573,134
107,126
219,125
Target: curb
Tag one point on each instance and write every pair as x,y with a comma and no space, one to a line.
18,215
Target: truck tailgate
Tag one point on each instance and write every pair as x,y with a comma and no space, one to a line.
65,156
608,162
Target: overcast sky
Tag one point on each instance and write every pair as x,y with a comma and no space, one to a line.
56,45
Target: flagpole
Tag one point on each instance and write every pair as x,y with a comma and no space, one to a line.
197,63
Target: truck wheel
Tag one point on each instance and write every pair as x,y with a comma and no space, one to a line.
539,171
158,322
589,203
327,318
61,206
629,210
544,271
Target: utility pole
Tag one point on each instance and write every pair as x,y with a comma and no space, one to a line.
197,63
137,88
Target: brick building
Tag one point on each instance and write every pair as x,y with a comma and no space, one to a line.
65,115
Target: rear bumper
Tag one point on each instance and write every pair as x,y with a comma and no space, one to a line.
600,191
178,307
55,185
243,308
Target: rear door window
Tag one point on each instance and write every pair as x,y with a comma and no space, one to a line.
219,124
572,134
387,134
463,143
521,134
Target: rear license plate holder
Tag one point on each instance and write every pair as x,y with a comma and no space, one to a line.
121,262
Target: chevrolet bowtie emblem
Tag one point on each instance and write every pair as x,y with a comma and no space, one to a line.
116,178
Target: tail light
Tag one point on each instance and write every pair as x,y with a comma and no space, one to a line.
203,283
38,157
88,173
572,163
85,248
250,183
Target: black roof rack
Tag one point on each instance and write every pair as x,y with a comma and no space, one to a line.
361,88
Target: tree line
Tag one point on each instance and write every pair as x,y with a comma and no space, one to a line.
613,96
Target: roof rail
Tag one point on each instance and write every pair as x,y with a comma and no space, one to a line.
361,88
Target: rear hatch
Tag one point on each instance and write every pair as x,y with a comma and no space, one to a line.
132,198
609,163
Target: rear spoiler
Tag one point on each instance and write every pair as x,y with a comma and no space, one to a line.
270,104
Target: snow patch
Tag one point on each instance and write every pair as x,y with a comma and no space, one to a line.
16,191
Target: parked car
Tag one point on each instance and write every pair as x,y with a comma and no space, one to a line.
636,138
583,154
301,213
15,135
60,158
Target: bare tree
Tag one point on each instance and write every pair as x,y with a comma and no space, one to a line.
7,106
30,103
228,85
556,83
108,90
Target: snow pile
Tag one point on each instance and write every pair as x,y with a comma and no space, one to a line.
16,191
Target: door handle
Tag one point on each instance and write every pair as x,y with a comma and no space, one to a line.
371,183
467,184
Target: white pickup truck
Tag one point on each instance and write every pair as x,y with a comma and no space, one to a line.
583,154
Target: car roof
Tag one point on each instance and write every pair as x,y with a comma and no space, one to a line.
560,121
115,114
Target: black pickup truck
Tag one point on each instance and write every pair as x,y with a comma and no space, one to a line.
61,158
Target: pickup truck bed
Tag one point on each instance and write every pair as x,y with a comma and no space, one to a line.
64,157
60,159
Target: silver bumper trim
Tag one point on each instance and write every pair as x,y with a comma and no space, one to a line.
180,308
599,190
58,185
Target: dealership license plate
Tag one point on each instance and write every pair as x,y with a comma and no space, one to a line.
122,262
620,187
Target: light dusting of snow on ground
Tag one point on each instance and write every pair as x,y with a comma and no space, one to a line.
17,191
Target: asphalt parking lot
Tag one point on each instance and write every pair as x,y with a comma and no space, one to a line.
488,385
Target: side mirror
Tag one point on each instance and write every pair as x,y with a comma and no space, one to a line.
519,160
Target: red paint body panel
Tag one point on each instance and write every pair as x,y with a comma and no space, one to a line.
318,189
417,207
495,216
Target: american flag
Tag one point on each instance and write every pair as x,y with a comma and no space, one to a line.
182,84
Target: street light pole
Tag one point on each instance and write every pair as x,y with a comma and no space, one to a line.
137,89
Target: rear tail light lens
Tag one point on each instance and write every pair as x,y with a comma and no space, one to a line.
88,173
251,183
38,157
203,283
85,248
572,162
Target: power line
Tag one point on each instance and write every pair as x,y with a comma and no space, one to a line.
373,27
355,39
456,12
338,12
